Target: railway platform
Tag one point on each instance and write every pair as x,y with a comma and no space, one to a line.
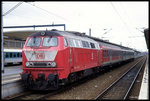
10,70
11,81
144,91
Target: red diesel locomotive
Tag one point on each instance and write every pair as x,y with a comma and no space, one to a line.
54,58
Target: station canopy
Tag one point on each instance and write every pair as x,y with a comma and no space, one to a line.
20,35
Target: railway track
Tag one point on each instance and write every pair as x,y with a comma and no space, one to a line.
32,95
35,95
121,88
38,95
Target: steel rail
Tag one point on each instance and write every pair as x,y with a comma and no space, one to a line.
134,80
104,91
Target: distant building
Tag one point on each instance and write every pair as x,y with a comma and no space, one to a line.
16,39
146,34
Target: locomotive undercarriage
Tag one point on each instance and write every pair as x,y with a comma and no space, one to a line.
40,83
53,82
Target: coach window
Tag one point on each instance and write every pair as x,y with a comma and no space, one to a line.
14,54
6,55
112,53
107,53
103,53
10,55
17,54
20,54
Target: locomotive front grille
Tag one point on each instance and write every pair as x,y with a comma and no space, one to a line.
40,64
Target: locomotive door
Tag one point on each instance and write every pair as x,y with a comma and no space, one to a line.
100,56
71,57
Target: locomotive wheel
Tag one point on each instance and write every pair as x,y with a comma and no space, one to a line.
73,77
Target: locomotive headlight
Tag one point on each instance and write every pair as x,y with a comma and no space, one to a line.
49,64
31,63
53,64
27,64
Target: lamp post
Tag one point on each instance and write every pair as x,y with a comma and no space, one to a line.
2,48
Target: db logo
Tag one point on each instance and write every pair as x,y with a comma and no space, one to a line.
40,56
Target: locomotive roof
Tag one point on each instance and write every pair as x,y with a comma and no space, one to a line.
78,35
70,34
45,33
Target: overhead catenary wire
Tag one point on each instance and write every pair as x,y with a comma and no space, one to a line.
13,8
126,13
48,12
135,36
120,16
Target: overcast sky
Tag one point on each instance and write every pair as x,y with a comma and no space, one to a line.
122,20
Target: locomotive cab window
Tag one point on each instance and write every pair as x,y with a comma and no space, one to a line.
65,42
34,42
50,41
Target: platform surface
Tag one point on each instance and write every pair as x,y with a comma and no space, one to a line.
11,70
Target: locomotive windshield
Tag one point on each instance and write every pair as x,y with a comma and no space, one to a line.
47,41
34,42
50,41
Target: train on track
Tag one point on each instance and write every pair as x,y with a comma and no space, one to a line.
54,58
12,56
